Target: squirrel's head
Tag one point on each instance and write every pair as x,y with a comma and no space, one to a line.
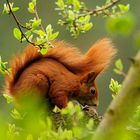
88,91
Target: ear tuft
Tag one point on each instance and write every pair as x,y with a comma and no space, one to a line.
88,78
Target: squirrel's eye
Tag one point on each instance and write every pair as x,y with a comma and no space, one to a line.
92,90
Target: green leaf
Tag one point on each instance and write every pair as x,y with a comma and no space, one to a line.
122,25
17,34
117,71
39,32
76,4
8,98
124,8
119,65
6,9
60,3
69,2
49,123
3,68
41,40
11,128
34,2
114,86
77,132
15,9
114,8
16,115
28,33
31,7
113,96
36,23
64,111
87,18
70,108
71,15
90,124
49,29
87,26
53,36
44,50
30,38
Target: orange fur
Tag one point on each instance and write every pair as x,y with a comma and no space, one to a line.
62,74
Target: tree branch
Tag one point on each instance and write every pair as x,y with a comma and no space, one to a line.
18,24
37,17
102,9
107,6
122,107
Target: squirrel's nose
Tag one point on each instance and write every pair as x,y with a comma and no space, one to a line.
92,90
95,105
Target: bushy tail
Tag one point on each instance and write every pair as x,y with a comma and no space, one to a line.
96,59
99,56
62,52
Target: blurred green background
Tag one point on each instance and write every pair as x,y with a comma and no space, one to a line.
125,44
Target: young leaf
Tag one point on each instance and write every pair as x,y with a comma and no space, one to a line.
34,2
114,86
39,32
8,98
6,9
76,4
71,15
119,66
49,29
60,3
31,8
3,68
124,8
44,50
90,124
36,23
17,34
16,115
87,26
53,36
15,9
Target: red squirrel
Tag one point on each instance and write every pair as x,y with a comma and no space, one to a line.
63,74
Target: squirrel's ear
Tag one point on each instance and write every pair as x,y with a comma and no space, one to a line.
88,78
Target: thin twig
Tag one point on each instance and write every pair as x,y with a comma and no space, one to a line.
17,21
103,8
18,24
37,17
97,10
112,3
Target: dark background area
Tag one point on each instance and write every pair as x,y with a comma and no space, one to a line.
126,48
